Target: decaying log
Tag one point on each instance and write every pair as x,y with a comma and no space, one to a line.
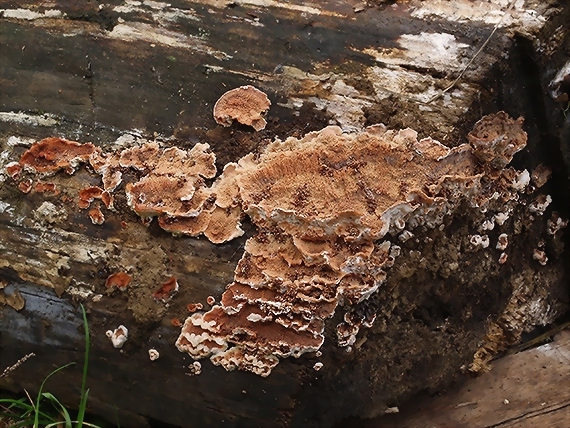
326,275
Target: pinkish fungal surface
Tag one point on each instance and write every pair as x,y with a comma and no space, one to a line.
193,307
14,169
245,104
25,186
328,209
45,187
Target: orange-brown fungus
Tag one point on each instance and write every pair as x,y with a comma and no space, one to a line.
108,200
167,290
327,209
43,187
96,216
323,206
245,104
88,195
120,280
26,185
175,322
52,154
14,169
193,307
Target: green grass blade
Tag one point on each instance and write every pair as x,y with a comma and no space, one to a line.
84,392
37,407
62,408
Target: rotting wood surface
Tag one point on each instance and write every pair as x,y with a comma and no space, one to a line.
121,72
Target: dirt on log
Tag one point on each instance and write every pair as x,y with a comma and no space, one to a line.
327,271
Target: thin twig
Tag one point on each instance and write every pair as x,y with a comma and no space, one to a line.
21,361
31,401
435,97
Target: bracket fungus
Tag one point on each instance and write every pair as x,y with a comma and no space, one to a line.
327,210
246,104
324,205
153,354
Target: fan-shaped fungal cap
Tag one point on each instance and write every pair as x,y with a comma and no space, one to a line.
245,104
14,169
88,195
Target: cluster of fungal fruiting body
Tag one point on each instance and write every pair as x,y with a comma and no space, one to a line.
327,208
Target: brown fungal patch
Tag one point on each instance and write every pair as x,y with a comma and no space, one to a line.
167,290
120,280
53,154
540,175
245,104
193,307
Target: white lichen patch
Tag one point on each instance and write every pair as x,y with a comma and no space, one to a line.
345,104
45,119
139,31
490,12
79,292
30,15
391,80
438,51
